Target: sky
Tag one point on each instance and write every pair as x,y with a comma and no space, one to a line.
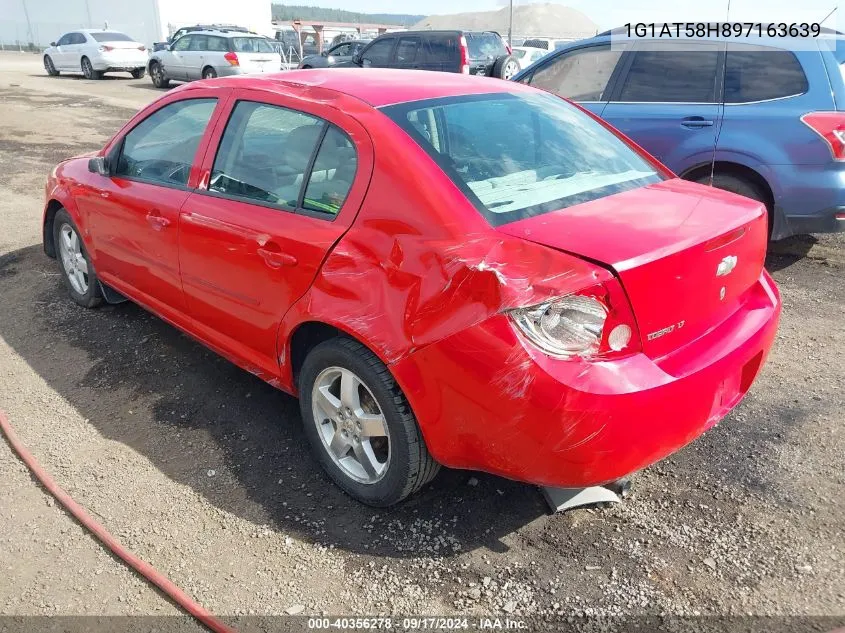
611,13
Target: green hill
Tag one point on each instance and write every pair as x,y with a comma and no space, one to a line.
302,12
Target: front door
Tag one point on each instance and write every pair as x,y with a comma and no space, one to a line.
134,213
174,60
669,101
283,186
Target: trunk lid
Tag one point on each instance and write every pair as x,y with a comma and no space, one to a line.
256,55
686,254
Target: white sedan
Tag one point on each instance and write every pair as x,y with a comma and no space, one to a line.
527,55
93,52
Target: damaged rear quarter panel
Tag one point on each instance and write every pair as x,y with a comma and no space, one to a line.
420,264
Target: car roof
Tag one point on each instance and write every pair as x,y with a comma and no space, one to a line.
223,33
375,86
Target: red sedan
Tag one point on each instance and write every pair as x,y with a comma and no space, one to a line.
453,271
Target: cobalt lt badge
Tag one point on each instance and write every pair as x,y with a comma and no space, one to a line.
722,293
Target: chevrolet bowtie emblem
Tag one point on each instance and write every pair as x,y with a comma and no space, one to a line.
726,266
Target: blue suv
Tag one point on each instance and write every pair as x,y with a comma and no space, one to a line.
753,118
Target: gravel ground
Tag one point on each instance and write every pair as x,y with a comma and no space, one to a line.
203,471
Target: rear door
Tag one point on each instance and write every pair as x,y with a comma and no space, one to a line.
193,58
669,101
443,52
585,75
278,189
408,53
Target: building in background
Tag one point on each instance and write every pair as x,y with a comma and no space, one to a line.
39,22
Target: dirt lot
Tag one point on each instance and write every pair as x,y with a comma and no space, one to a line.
203,471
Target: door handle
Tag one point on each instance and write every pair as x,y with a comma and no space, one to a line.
156,220
274,257
694,122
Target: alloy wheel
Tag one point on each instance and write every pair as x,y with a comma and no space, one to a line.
511,68
87,69
48,66
351,425
73,259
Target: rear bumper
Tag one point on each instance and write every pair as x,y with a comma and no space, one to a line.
115,63
486,400
825,221
810,198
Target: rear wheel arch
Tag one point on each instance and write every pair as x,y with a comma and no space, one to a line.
738,171
306,335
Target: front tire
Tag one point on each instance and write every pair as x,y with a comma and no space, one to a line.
50,67
158,77
360,425
75,264
88,70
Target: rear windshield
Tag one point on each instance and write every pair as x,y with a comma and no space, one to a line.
111,36
483,45
251,45
519,155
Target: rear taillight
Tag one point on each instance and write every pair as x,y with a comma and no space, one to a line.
508,48
142,48
831,127
596,323
464,55
106,49
232,58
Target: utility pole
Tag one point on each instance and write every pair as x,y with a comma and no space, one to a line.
510,26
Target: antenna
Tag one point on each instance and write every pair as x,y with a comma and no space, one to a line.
718,131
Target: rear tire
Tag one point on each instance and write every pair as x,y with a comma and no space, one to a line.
88,70
209,73
139,73
505,67
50,67
158,77
407,464
75,264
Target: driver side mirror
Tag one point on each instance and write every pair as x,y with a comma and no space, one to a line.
53,44
324,54
99,165
356,59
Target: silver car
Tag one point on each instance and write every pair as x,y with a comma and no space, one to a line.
208,54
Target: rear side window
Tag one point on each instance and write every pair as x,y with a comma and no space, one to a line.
332,174
406,50
581,75
685,75
266,156
520,155
758,73
251,45
443,48
161,148
218,44
485,45
110,36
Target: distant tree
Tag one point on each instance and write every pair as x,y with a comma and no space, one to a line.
286,12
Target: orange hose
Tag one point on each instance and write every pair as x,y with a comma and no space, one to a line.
145,569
